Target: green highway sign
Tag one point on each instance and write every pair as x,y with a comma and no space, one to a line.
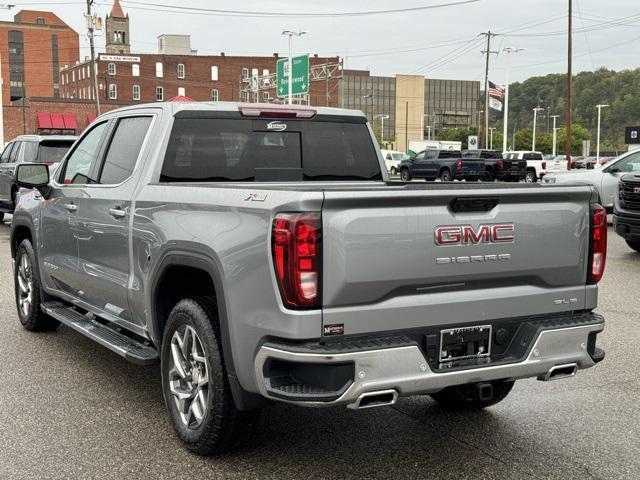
300,83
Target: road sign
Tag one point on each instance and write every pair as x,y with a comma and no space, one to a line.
300,83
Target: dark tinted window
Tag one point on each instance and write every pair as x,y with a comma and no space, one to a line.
208,149
450,154
532,156
124,149
52,151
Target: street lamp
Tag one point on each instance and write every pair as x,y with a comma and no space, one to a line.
554,133
291,34
599,107
508,51
382,118
535,115
427,115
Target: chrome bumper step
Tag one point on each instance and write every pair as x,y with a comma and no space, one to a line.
130,349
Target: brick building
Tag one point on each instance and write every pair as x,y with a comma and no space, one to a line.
154,77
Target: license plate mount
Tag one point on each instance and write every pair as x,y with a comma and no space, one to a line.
465,343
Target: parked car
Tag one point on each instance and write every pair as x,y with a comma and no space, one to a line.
604,180
447,165
392,159
498,168
536,165
583,163
263,258
28,149
626,210
559,164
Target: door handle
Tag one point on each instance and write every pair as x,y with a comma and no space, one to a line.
71,207
117,212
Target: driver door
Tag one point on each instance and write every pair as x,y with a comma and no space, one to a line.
612,173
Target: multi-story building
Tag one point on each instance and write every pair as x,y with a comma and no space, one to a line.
34,47
117,38
411,106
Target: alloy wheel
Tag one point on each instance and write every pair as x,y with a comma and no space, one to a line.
25,285
189,376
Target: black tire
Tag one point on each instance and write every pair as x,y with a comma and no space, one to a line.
223,426
634,245
405,175
1,216
531,177
489,175
460,397
445,176
393,171
32,318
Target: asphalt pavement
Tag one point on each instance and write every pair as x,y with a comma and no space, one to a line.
71,409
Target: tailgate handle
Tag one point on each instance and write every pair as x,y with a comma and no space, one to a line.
470,204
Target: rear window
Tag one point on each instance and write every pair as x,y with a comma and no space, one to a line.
217,150
532,156
450,154
51,151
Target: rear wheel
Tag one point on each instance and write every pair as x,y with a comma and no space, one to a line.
195,384
531,177
28,291
445,176
1,216
468,397
635,245
405,175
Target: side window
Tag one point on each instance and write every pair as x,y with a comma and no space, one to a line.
420,156
6,152
389,156
83,157
431,155
13,156
629,164
124,149
29,152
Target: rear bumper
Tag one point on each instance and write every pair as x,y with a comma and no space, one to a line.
397,366
627,227
511,174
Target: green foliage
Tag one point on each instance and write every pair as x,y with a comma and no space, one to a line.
459,135
620,90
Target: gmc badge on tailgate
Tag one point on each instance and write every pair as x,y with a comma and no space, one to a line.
467,235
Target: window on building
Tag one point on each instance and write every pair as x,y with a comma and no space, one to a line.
214,73
55,65
159,94
243,96
73,75
124,149
135,70
40,20
265,72
266,97
245,73
159,69
136,92
113,91
181,91
111,69
254,72
214,95
181,70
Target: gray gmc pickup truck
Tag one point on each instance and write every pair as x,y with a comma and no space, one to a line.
260,253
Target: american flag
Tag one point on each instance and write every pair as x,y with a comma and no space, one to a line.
495,91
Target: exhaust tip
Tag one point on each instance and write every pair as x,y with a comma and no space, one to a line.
380,398
560,371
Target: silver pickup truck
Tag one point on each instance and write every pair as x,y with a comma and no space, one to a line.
260,253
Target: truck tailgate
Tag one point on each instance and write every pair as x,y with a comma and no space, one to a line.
383,268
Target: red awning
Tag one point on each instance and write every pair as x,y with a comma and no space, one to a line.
90,118
43,120
56,121
181,98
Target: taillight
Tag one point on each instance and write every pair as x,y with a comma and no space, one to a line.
598,255
297,258
459,165
500,164
544,165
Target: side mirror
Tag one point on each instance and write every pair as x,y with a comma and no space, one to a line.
614,170
32,175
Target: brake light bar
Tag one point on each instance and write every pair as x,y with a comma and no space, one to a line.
296,250
275,111
598,254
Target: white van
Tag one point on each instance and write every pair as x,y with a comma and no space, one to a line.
392,159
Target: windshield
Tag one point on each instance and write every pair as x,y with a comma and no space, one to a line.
219,150
399,156
53,151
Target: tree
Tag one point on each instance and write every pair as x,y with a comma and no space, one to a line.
578,134
459,135
523,139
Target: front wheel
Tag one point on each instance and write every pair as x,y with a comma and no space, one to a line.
445,176
393,171
405,175
466,397
195,385
634,244
531,177
28,291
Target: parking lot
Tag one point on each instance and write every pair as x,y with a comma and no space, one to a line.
71,409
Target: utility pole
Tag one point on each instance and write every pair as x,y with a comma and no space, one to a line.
92,69
554,133
382,118
406,127
567,142
487,52
535,115
491,129
508,51
4,7
599,107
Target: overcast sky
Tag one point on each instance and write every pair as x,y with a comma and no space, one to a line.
443,42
